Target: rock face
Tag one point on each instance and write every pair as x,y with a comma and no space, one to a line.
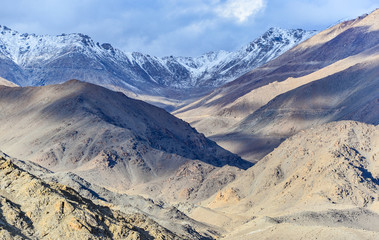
161,212
31,60
326,177
34,209
101,135
331,76
334,163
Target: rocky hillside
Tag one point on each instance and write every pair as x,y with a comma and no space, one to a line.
103,136
161,212
335,163
34,209
320,182
32,60
331,76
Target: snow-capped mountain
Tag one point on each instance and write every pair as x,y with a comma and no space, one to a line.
34,60
217,68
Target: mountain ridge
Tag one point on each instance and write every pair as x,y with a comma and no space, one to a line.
330,76
93,131
32,208
324,178
37,60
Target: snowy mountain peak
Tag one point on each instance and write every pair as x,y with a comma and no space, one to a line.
280,36
5,30
45,59
107,46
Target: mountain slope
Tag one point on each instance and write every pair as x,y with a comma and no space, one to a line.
32,60
217,68
103,136
331,76
161,212
34,209
4,82
322,180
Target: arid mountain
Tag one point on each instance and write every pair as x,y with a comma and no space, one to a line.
192,182
33,60
161,212
320,182
331,76
34,209
101,135
96,164
5,82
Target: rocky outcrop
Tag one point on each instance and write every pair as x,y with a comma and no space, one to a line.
34,209
323,180
322,168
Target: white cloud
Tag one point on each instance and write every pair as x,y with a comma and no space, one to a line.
240,10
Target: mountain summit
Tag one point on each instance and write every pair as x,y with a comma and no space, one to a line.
33,60
331,76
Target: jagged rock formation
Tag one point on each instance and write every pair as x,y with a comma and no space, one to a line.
34,209
163,212
331,76
32,60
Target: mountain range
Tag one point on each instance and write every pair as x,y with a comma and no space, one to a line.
33,60
89,162
331,76
92,131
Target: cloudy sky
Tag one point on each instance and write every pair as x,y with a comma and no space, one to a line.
175,27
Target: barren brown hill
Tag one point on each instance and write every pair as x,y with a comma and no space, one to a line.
163,213
320,183
4,82
34,209
103,136
331,76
